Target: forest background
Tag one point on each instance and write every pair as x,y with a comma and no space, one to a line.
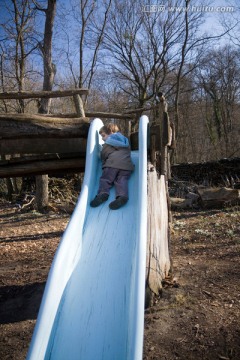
125,53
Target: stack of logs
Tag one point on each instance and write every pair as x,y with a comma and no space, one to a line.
224,172
45,144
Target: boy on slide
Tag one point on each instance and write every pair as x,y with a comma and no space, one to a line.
117,167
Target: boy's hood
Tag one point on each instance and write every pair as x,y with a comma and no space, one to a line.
117,139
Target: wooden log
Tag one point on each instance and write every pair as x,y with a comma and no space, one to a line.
14,160
94,114
158,261
43,119
179,203
79,105
224,172
42,94
141,110
215,197
52,166
40,146
18,126
108,115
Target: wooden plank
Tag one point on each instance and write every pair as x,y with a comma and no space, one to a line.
158,261
43,167
108,115
40,146
42,94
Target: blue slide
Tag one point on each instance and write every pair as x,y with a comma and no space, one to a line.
93,303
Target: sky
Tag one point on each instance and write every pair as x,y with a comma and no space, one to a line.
213,13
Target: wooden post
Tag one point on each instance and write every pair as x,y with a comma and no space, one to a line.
158,257
165,136
79,105
41,191
153,149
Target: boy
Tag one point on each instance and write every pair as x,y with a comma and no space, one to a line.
117,167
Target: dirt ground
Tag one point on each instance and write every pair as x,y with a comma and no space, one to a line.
197,315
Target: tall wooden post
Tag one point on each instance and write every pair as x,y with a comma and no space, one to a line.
158,261
158,258
165,136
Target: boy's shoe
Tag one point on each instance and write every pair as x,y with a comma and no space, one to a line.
99,199
119,202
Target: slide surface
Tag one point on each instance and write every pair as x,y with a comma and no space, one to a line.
93,303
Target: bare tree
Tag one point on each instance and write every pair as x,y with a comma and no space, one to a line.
231,24
17,45
83,28
149,47
49,73
219,78
49,67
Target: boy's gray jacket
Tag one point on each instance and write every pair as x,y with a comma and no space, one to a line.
116,157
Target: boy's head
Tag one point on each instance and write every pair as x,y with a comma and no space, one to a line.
107,130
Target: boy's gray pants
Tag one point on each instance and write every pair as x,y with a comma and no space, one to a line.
117,177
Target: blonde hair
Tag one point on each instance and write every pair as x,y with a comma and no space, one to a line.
109,129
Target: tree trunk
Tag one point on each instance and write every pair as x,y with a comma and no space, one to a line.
49,67
49,73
